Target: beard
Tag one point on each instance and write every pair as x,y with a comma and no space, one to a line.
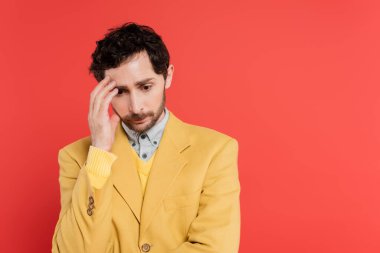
139,116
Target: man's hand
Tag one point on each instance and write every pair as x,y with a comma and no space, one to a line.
102,126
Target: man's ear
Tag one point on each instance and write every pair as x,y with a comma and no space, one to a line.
169,77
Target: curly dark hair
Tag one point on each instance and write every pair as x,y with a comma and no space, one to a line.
126,40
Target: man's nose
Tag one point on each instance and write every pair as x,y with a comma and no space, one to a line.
135,103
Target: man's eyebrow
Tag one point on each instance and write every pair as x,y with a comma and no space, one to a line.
139,83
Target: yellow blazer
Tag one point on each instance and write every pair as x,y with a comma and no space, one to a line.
191,203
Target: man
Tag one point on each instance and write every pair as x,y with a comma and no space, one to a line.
144,181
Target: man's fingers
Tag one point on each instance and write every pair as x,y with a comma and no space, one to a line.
106,89
99,99
96,90
107,100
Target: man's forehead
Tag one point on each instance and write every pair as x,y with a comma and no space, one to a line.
132,71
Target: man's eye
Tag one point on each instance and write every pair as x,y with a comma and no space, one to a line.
120,91
146,87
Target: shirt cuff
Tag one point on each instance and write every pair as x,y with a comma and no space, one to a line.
98,166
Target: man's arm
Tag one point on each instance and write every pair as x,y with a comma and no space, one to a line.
85,219
217,225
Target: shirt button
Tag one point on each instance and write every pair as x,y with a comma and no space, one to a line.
143,136
155,142
145,247
133,144
144,155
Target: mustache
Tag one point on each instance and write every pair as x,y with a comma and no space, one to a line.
137,116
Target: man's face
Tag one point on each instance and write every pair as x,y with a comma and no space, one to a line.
140,100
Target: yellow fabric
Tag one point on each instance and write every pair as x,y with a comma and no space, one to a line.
99,162
98,166
143,167
191,203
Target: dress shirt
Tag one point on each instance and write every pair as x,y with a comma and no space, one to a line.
146,143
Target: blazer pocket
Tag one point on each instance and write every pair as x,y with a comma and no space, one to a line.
182,201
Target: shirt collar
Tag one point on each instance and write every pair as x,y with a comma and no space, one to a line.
154,133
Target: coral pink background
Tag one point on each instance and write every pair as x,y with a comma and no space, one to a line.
296,82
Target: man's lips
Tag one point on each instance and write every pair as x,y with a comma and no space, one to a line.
139,120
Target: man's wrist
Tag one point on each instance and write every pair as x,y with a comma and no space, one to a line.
99,161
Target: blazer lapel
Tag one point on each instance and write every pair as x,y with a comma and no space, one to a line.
167,164
124,173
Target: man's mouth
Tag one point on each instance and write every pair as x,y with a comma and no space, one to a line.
138,121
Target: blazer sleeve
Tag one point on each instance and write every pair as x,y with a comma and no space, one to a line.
217,225
85,219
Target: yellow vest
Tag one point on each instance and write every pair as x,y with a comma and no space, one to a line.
143,167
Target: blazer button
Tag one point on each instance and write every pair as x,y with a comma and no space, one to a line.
145,247
91,200
89,212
